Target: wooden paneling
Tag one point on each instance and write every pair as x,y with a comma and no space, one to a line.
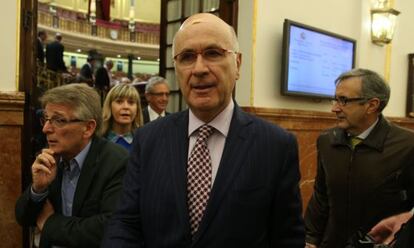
11,122
307,125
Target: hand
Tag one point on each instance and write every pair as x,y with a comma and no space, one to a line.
46,212
385,230
309,245
43,170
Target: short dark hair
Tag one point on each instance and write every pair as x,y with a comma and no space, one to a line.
40,33
373,85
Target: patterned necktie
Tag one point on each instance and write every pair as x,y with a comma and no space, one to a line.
199,177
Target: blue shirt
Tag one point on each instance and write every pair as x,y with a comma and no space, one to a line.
122,140
70,177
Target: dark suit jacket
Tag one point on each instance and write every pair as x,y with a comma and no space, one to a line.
54,56
86,74
102,78
40,52
95,198
145,115
255,200
405,237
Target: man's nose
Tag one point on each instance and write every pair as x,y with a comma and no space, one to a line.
200,66
335,108
47,127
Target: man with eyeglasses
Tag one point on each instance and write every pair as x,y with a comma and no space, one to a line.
157,93
211,176
77,179
362,164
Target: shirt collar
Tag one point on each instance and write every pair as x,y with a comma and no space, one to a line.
154,115
112,136
365,133
221,122
80,158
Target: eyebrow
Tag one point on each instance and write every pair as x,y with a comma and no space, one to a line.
205,48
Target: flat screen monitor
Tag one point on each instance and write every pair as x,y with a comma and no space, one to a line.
313,59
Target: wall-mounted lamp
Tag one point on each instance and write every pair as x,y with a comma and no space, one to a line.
383,19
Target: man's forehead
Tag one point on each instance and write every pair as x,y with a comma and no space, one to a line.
202,18
55,108
349,86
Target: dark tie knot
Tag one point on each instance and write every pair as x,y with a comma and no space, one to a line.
205,131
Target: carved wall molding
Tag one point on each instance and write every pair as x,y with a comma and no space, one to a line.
11,126
11,108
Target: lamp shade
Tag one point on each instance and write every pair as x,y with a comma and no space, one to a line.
383,25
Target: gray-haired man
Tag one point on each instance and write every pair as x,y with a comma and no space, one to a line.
157,93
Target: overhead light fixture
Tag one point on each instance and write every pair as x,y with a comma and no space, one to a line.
383,20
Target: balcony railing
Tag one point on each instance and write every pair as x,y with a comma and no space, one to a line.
77,22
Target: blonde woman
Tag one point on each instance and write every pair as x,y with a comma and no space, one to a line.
121,115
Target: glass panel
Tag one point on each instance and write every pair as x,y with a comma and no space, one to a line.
210,5
183,104
172,28
174,10
173,103
191,7
168,57
170,76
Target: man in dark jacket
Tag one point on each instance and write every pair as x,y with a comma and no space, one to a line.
41,39
211,176
361,164
54,55
77,179
86,72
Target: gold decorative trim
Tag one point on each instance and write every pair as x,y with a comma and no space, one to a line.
388,53
18,14
253,56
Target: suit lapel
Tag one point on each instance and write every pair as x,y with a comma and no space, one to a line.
56,191
236,145
179,153
88,171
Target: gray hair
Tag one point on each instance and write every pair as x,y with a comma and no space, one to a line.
83,99
154,81
109,63
373,85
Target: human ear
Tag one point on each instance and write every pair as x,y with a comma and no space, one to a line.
373,105
89,128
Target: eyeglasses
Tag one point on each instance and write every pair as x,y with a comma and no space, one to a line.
57,122
343,100
167,94
188,58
